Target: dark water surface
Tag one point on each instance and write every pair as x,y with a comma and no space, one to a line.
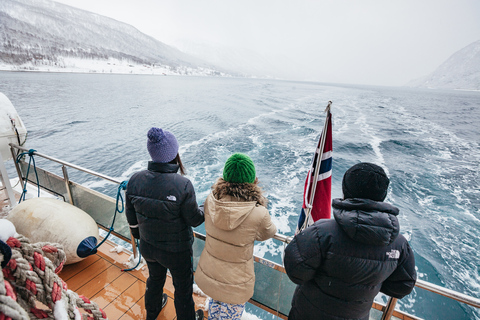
427,140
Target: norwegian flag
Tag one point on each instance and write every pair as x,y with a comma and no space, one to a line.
321,206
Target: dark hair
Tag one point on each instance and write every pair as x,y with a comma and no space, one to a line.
178,161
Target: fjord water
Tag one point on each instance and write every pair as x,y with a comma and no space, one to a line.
427,140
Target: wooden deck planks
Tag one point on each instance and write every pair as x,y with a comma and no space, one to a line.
126,300
138,310
114,290
70,270
99,282
88,273
120,294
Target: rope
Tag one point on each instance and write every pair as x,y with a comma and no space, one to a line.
19,157
33,271
9,306
122,186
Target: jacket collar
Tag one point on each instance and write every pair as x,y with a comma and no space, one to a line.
364,205
162,167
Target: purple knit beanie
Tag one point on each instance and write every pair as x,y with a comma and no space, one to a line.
162,145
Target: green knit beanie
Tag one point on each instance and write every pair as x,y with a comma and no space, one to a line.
239,168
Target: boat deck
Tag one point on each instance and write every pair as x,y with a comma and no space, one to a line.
120,294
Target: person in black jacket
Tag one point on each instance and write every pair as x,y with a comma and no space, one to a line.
161,209
341,264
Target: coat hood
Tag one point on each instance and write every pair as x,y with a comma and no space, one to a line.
367,221
229,204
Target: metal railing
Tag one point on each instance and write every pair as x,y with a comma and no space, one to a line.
389,308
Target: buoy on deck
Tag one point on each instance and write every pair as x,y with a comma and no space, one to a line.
12,130
52,220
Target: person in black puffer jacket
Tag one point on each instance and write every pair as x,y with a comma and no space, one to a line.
341,264
161,209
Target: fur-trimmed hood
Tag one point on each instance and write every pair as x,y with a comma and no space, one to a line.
240,191
230,203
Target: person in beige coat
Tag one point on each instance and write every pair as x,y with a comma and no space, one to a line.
235,217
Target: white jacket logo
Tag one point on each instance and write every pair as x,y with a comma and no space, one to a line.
172,198
394,254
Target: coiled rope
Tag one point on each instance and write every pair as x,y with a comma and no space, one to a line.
33,272
19,157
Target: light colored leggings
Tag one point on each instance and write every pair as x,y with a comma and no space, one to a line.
218,310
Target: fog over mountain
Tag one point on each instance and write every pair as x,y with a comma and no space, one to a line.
460,71
46,35
245,61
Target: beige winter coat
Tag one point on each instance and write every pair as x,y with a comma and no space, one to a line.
225,270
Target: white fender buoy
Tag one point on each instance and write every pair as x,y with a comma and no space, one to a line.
12,130
52,220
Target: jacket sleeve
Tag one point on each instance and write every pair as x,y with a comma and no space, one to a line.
303,256
189,209
131,216
402,281
130,210
267,229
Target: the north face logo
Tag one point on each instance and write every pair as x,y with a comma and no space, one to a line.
172,198
394,254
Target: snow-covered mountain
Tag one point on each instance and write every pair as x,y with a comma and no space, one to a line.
39,34
460,71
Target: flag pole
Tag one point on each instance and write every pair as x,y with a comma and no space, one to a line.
317,167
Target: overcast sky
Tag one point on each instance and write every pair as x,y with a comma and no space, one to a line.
383,42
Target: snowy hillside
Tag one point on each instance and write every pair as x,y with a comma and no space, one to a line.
42,34
460,71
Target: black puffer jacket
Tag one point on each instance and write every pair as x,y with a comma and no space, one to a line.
340,265
163,205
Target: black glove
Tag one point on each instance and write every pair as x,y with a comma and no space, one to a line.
135,232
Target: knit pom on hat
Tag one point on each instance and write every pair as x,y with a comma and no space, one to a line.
162,145
365,180
239,168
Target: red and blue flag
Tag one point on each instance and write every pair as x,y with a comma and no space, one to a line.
320,207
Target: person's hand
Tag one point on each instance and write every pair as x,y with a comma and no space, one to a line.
135,232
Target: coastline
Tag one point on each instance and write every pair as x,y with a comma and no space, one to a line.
110,66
